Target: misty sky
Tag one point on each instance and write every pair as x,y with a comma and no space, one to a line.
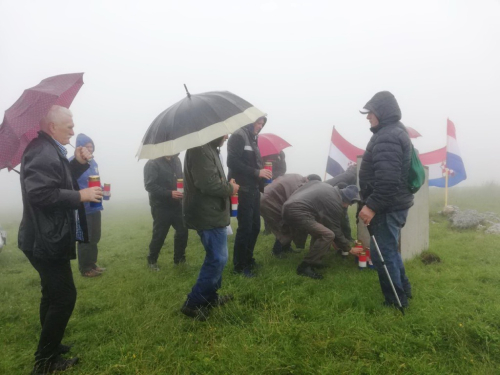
308,64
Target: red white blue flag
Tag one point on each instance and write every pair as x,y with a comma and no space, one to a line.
446,159
342,154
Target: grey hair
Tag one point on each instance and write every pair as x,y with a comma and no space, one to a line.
56,113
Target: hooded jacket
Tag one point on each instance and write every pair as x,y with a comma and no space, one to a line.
50,199
243,158
384,169
83,180
279,163
206,189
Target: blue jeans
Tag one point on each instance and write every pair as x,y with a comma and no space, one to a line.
210,278
386,229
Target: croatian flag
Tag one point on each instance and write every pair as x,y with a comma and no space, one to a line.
342,154
446,158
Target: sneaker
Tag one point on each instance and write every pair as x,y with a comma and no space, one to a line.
91,273
153,267
58,364
221,300
307,270
198,313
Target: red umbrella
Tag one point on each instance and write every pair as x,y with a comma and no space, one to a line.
270,144
21,122
413,133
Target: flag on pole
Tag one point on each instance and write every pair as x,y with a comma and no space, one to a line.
446,158
342,154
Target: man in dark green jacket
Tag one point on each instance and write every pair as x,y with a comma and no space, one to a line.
206,207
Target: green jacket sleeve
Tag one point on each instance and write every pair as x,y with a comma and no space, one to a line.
206,174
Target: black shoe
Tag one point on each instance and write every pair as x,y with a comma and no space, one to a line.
63,349
280,255
221,300
58,364
255,266
306,270
198,313
180,261
247,272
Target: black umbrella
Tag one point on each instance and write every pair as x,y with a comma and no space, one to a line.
195,121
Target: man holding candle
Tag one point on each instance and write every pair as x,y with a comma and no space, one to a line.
160,181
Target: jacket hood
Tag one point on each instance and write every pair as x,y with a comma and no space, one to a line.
385,107
249,127
82,140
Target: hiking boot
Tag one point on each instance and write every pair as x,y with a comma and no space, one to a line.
197,313
305,269
153,267
58,364
221,300
91,273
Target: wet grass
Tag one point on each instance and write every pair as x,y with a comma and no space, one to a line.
128,320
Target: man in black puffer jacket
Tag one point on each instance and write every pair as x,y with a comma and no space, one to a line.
384,188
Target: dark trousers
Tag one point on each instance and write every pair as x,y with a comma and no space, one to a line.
387,229
210,278
87,252
248,228
56,305
163,218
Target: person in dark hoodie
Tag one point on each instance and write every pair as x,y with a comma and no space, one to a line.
206,208
49,228
160,181
386,197
245,166
317,208
87,252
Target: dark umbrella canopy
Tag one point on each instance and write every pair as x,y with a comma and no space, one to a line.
195,121
21,122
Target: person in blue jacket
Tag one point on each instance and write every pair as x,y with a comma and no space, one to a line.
87,252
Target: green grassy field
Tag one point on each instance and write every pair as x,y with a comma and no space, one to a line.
128,320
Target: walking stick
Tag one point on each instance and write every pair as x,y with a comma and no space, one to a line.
385,268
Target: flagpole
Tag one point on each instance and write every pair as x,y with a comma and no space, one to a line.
446,187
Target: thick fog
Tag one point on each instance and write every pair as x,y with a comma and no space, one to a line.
309,64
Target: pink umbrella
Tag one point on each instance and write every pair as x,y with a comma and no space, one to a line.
270,144
413,133
21,121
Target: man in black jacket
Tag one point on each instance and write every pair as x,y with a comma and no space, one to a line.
206,210
49,228
383,180
160,181
245,166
